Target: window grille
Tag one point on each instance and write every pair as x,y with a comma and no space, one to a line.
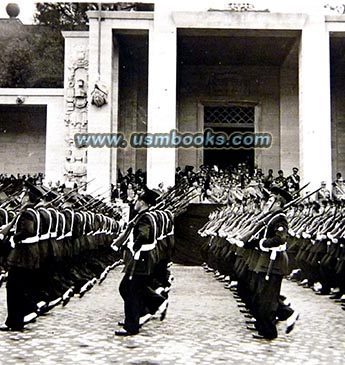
232,115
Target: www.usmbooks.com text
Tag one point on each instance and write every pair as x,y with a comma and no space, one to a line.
175,139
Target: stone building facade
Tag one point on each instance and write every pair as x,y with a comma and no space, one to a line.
190,69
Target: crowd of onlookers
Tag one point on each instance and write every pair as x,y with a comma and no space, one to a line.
223,185
220,185
36,179
216,185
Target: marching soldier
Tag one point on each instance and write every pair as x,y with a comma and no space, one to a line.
271,267
24,264
139,267
256,259
46,259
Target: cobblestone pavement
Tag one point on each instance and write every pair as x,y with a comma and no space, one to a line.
203,326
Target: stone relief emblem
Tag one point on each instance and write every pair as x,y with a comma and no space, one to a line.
76,117
99,95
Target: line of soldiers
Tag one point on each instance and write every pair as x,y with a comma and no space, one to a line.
317,247
314,233
53,246
148,245
247,247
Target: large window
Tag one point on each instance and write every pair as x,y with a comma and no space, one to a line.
229,119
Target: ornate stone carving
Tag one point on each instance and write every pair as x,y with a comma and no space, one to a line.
338,8
99,95
240,6
75,119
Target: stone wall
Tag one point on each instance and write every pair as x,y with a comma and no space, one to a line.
133,89
22,139
289,119
34,138
338,124
207,84
273,90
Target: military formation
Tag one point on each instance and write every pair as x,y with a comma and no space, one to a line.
266,232
56,243
53,245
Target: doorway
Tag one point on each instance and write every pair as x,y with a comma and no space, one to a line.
229,118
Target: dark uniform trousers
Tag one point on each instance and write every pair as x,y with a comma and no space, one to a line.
20,288
24,265
266,301
132,290
267,304
136,287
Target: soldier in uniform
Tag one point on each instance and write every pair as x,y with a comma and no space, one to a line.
139,267
338,189
271,266
23,263
293,181
323,195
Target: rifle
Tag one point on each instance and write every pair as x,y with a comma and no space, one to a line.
5,230
302,188
8,201
64,195
177,203
264,220
5,188
172,191
122,239
94,201
300,199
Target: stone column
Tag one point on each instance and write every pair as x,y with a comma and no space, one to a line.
314,103
289,123
55,149
161,95
101,65
115,107
75,106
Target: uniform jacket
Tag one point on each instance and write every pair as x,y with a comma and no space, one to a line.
26,254
274,235
143,234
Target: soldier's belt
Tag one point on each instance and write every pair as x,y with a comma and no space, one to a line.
280,248
145,248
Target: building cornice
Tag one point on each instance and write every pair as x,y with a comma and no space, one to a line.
140,15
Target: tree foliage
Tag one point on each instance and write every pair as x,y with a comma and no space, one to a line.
15,61
63,16
34,55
